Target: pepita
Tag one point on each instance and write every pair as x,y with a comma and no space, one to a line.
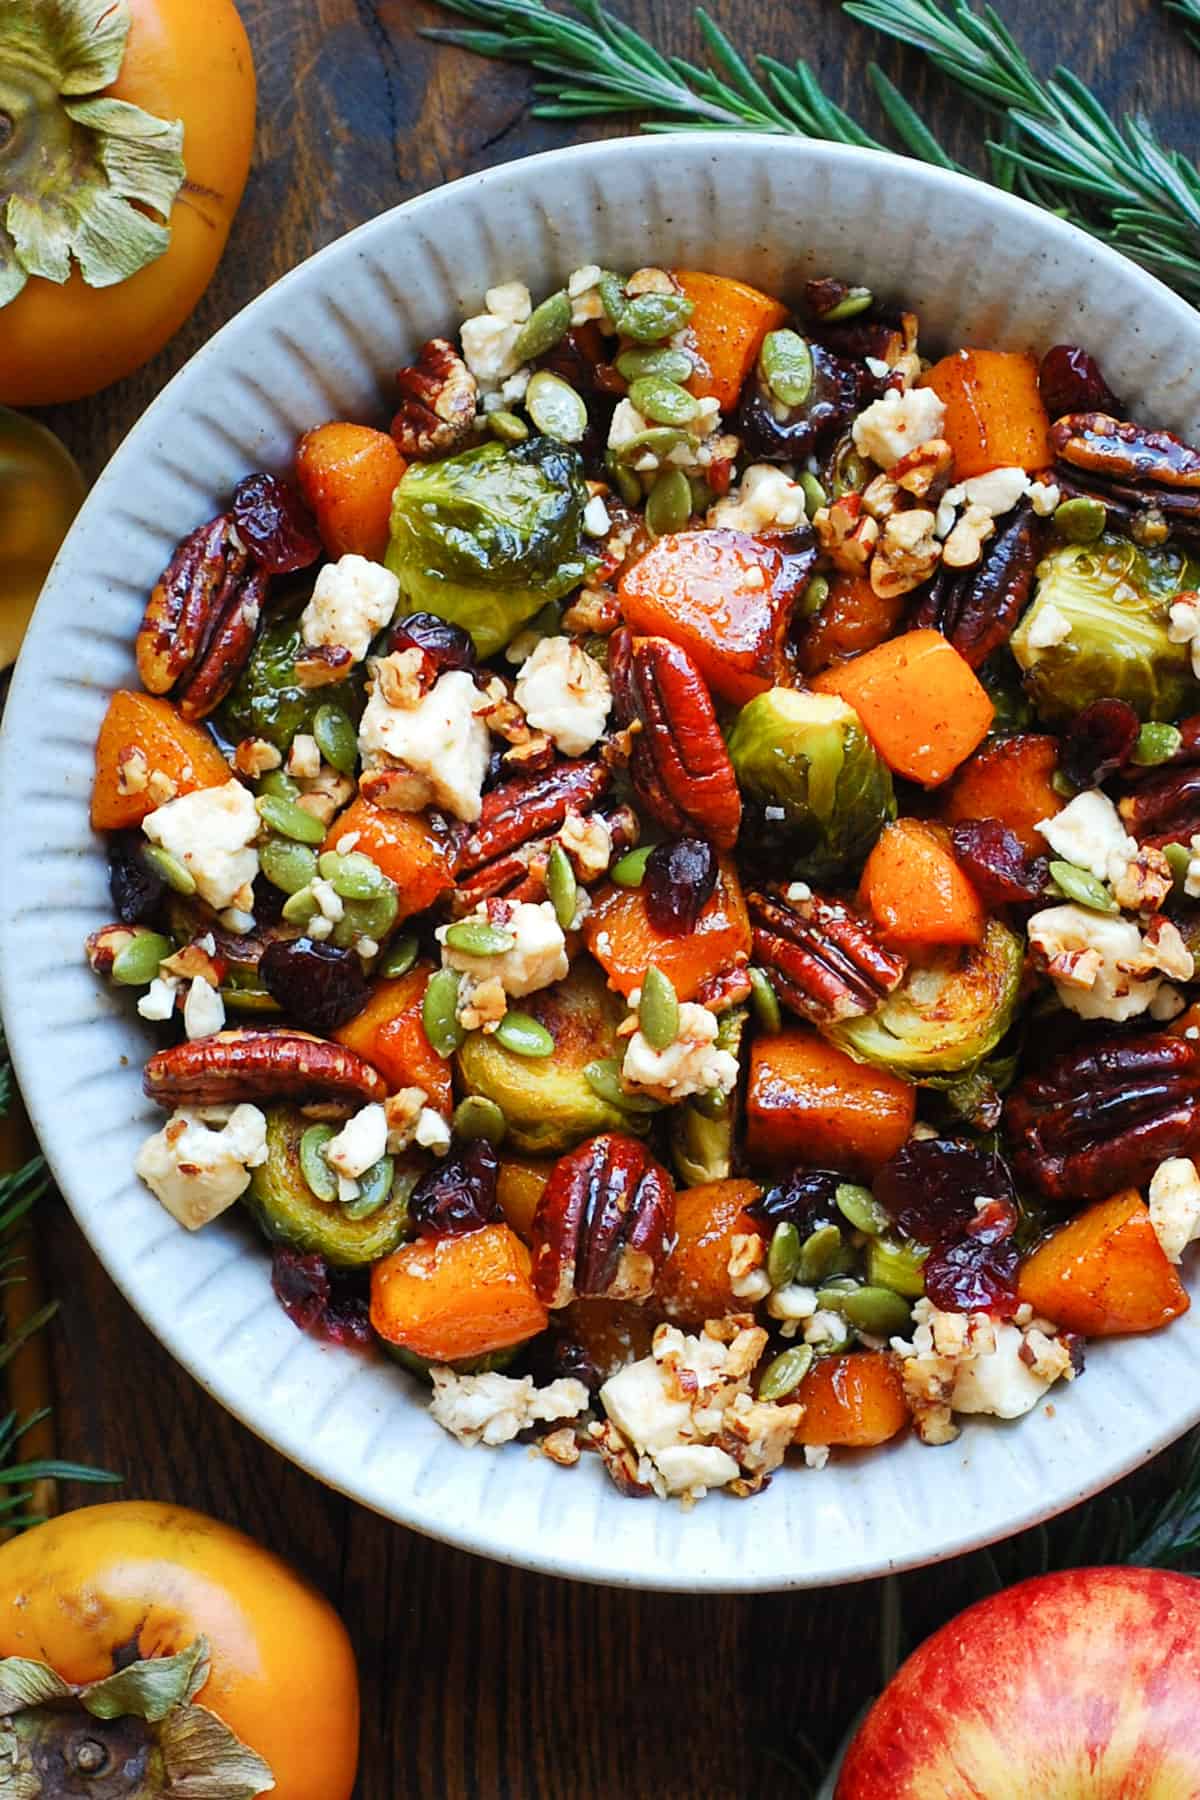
1081,886
336,738
673,365
287,865
353,876
313,1166
784,1374
137,964
1081,520
783,1256
855,300
479,1117
374,1188
545,326
604,1078
814,494
656,440
561,886
765,1001
819,1254
524,1036
366,919
439,1012
876,1310
666,402
787,366
400,958
1156,743
669,503
859,1207
475,937
300,907
507,427
900,1267
816,593
555,408
629,871
650,317
658,1009
168,868
280,784
1179,860
289,819
611,290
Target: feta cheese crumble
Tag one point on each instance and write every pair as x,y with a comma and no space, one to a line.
690,1064
537,958
351,603
200,1162
1103,967
565,693
360,1143
491,1409
489,339
203,1010
212,832
971,1363
443,741
896,423
1174,1199
767,499
1089,833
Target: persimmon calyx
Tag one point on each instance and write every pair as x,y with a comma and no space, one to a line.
84,179
48,1725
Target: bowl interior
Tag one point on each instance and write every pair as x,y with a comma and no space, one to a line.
979,268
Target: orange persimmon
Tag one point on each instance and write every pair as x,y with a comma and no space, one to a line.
1104,1273
809,1102
724,597
520,1184
916,892
184,753
620,936
388,1034
853,619
694,1283
451,1297
348,474
404,845
727,329
1010,780
920,703
994,413
856,1401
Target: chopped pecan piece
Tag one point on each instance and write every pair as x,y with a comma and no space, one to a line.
437,408
678,762
847,532
977,609
321,665
520,874
907,554
1104,1116
604,1225
269,1064
1123,451
517,812
200,621
824,960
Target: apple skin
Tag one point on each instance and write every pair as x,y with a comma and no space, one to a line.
1078,1686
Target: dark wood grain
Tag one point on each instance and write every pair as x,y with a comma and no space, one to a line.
480,1681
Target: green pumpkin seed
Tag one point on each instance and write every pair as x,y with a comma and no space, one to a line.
672,365
651,317
366,919
555,408
604,1078
669,503
1156,743
787,365
507,427
287,865
400,958
783,1256
815,594
711,1103
663,401
658,1009
814,494
546,325
168,868
524,1036
783,1376
624,480
611,290
313,1166
1081,520
595,646
629,871
656,440
900,1267
876,1310
289,819
475,937
819,1254
336,738
137,964
478,1117
562,886
859,1207
374,1190
278,784
353,876
856,300
439,1012
765,1002
1082,887
850,472
1063,785
1179,858
702,494
301,907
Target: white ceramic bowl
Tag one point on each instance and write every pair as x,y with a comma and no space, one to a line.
979,268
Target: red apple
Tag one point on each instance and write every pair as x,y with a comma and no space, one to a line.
1079,1686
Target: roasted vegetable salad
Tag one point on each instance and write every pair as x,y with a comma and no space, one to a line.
670,878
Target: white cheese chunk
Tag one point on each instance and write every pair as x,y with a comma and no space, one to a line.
203,1010
351,603
998,1381
1100,966
444,740
766,499
690,1064
360,1143
491,1409
1088,832
212,833
638,1401
1174,1198
537,958
196,1171
694,1468
565,693
896,423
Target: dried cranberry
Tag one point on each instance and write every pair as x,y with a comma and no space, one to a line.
448,645
679,882
971,1275
137,892
459,1194
997,863
807,1199
1071,381
305,1289
777,434
317,985
1099,741
275,525
269,902
930,1187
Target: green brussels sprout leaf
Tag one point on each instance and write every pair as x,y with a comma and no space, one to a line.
268,701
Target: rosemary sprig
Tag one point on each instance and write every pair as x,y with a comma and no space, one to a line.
1189,10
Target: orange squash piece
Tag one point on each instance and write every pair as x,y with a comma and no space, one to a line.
853,619
728,326
348,474
725,598
404,845
994,413
520,1183
620,936
920,703
1010,780
171,747
694,1282
808,1102
916,892
856,1401
388,1034
1105,1272
451,1297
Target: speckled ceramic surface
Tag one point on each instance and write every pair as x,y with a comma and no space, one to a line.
979,268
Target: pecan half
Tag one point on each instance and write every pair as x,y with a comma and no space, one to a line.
1104,1116
520,874
437,407
1123,451
824,960
1147,514
268,1064
1164,808
518,812
200,620
678,762
978,609
604,1224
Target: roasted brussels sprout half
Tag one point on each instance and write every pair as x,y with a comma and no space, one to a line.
1106,604
549,1103
946,1015
812,785
268,702
288,1211
488,537
703,1132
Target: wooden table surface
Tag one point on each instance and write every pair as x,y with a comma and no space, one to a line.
479,1680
